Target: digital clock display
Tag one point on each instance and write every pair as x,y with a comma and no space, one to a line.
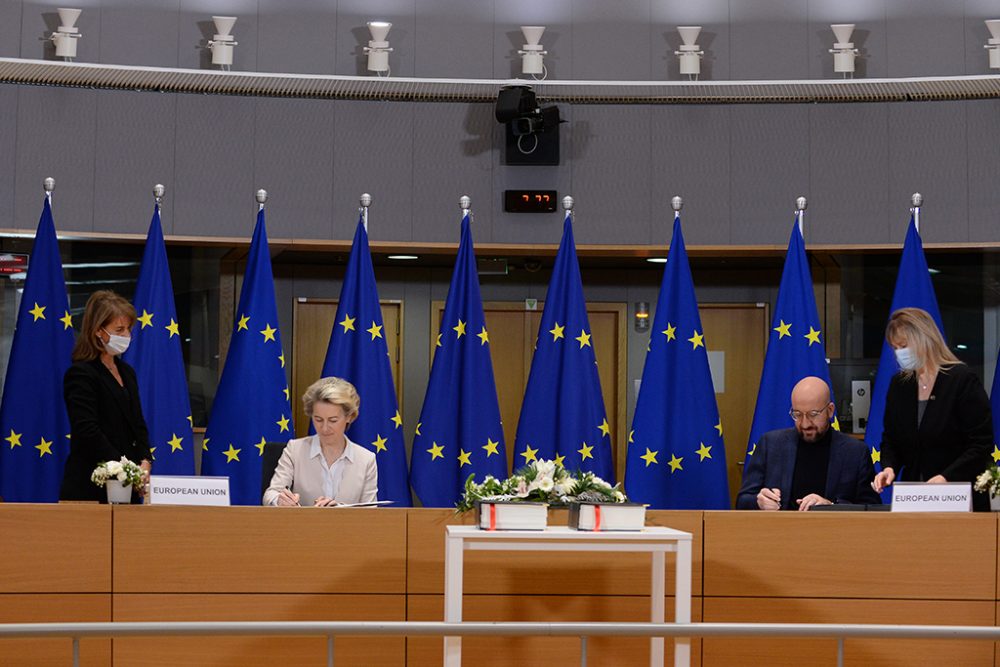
529,201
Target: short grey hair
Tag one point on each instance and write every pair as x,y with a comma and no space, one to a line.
335,391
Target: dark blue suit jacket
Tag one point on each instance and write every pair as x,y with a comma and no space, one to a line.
848,479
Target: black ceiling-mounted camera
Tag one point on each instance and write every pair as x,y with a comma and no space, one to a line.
531,131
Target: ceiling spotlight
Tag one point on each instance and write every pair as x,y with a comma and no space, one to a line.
532,52
993,45
223,43
378,48
843,50
64,38
690,53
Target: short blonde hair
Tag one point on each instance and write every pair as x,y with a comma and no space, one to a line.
917,328
102,307
335,391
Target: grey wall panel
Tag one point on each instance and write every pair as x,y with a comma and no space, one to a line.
928,153
611,40
293,161
714,40
39,20
984,170
770,169
849,174
302,41
195,28
452,156
140,32
869,19
55,137
691,158
353,35
977,60
611,174
770,39
10,28
135,151
454,38
925,38
373,153
555,15
8,147
214,166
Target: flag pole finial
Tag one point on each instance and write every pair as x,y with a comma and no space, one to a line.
49,184
567,203
916,201
677,203
801,204
261,196
158,192
366,200
465,202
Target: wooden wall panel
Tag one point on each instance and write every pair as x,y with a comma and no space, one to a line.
545,650
258,651
788,554
54,608
528,573
790,652
259,550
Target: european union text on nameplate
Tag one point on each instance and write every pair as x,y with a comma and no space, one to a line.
923,497
185,490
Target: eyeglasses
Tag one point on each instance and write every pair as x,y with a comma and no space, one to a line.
812,415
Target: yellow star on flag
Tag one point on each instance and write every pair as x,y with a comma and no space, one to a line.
152,452
675,463
753,449
463,458
281,358
268,333
242,324
584,339
783,329
379,443
283,423
483,336
260,446
459,329
630,434
232,454
557,332
287,393
437,343
558,460
718,427
436,451
697,340
529,453
204,444
375,330
67,320
417,429
146,319
585,452
995,454
190,421
670,332
14,439
812,336
175,443
650,457
38,312
397,419
44,447
876,456
705,452
172,328
605,427
347,323
491,447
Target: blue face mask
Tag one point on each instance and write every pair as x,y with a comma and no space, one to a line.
906,359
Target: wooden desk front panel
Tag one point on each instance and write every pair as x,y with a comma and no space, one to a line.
259,550
58,548
258,651
861,555
55,608
601,651
531,573
791,652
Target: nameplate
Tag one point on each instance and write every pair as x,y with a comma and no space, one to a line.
923,497
184,490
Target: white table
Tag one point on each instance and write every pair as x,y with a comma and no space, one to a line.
654,540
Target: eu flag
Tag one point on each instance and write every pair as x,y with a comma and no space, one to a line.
251,405
155,354
459,432
913,290
34,426
995,406
794,347
562,416
676,458
358,353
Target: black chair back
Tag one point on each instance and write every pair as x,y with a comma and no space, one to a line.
269,461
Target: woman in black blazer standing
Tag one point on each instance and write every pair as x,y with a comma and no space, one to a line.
937,426
102,399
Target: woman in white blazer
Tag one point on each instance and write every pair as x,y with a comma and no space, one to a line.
326,468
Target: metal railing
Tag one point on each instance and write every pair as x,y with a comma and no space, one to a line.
332,629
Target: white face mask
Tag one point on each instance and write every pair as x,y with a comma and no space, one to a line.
906,359
116,344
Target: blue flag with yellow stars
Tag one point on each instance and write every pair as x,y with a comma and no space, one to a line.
251,405
34,426
155,354
995,406
676,458
459,432
795,349
913,290
562,416
358,353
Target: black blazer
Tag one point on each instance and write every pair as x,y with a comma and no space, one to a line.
955,437
106,424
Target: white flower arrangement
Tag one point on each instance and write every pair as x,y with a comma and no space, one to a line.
541,481
989,482
125,471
